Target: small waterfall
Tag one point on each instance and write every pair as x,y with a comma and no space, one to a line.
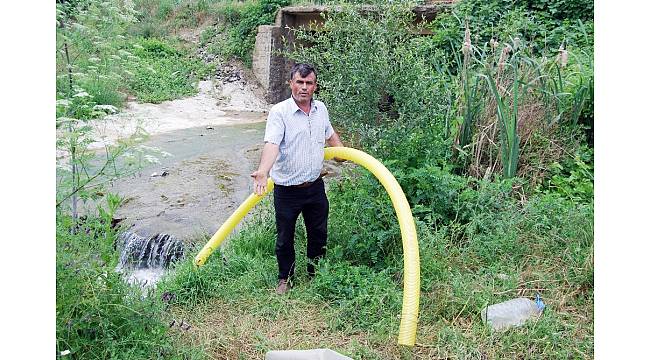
143,260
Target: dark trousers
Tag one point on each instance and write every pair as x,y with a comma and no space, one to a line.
289,203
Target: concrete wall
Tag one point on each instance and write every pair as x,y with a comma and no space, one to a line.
272,70
264,43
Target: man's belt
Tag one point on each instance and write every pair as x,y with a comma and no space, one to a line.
309,183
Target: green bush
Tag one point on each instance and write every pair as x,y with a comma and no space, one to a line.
93,34
105,91
433,192
573,178
382,83
545,24
362,223
154,49
165,8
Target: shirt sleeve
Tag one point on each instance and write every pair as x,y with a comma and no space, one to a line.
274,132
329,130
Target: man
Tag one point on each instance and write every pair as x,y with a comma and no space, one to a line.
296,132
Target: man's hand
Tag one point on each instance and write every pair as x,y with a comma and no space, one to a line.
269,154
259,182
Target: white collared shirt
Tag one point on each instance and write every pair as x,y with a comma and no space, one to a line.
301,138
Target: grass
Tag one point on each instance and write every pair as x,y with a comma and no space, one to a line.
546,248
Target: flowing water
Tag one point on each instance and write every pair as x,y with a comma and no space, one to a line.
143,260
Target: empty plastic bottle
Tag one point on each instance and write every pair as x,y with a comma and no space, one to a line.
513,312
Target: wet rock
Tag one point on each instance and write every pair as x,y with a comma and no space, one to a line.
160,250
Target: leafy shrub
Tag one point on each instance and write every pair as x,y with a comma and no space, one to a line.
207,35
104,90
562,9
165,9
573,178
432,192
364,227
483,196
381,82
545,24
189,14
90,37
155,48
228,12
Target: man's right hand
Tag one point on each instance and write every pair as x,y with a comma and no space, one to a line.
259,182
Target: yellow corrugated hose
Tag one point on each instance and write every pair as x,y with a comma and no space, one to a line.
411,299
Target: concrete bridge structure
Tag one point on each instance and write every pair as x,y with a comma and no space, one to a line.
272,70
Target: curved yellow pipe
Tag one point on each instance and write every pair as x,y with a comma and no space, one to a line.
411,299
230,224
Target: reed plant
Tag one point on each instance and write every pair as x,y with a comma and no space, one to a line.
504,93
470,97
507,97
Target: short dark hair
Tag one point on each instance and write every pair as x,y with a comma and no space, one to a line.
303,69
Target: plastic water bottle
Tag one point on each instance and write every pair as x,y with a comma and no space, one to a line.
513,312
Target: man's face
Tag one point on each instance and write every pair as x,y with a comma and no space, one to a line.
302,88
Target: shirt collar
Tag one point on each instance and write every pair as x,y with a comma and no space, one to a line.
294,106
